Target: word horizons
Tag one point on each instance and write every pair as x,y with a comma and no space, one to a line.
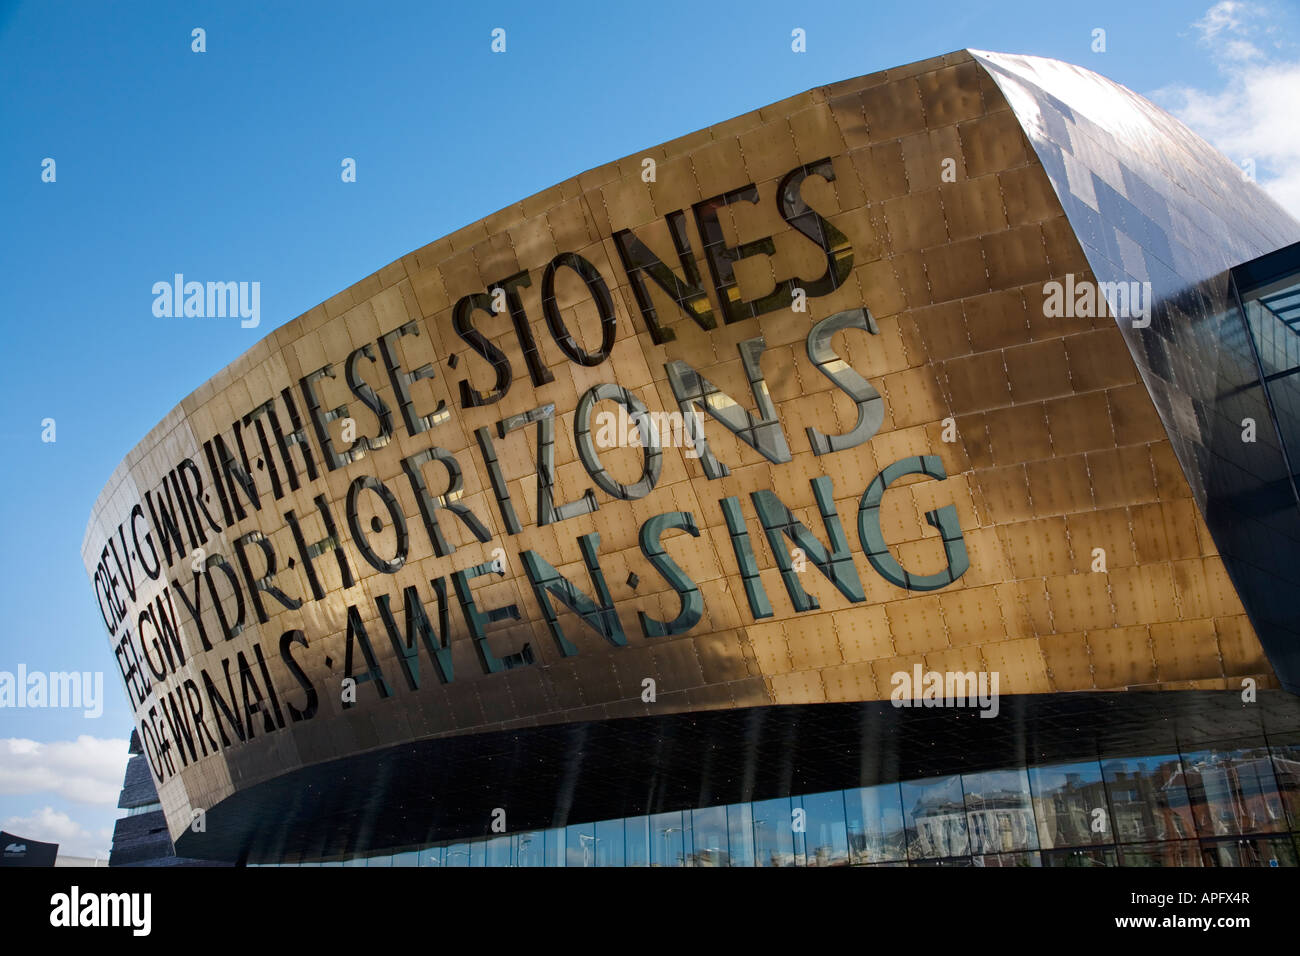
74,909
1082,299
56,689
216,300
160,561
946,689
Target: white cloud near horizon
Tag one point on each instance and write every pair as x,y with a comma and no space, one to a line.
86,770
1253,116
52,826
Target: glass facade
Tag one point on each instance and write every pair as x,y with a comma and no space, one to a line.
1236,803
1268,292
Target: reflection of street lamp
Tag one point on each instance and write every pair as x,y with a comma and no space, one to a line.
451,853
758,843
665,831
588,848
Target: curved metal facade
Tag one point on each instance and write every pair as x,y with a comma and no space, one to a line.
1152,202
453,500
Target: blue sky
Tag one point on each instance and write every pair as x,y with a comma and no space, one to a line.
226,164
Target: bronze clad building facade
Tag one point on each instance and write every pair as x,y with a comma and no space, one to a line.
698,483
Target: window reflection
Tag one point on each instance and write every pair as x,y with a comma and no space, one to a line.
1249,851
497,851
773,833
1148,798
951,861
458,854
874,819
1006,859
1175,853
1233,791
934,812
1081,857
555,847
1232,804
431,856
826,841
666,843
580,845
530,849
1070,807
636,838
609,843
740,834
1286,770
709,828
998,812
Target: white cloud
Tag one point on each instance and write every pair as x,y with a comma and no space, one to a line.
86,770
1253,116
51,826
1220,17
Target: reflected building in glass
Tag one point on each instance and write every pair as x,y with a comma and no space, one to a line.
904,473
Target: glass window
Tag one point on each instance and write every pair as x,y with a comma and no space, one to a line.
740,834
1286,769
666,839
1006,859
999,813
580,844
554,847
1272,312
950,861
773,833
875,824
1070,805
1174,853
1081,857
636,841
431,856
826,840
688,838
530,848
609,843
935,815
497,851
1248,851
457,854
1233,791
709,828
1148,798
1228,804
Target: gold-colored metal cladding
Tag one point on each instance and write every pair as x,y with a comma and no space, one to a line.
1058,452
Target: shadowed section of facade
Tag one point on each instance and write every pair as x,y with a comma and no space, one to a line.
446,790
